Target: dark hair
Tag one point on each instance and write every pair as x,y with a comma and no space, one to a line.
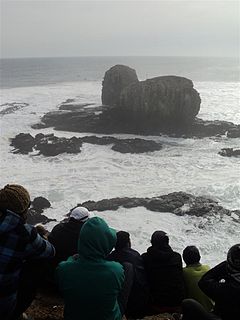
191,255
123,240
233,258
159,239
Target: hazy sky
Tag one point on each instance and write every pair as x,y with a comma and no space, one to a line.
114,28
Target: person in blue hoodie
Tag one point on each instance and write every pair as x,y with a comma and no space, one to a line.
19,243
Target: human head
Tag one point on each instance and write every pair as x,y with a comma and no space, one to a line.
191,255
233,259
80,214
15,198
159,239
123,240
96,239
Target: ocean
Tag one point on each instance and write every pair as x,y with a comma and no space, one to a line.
190,165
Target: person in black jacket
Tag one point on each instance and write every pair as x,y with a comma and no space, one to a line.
222,285
165,274
138,299
64,236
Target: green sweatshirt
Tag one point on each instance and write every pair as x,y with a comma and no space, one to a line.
89,284
192,274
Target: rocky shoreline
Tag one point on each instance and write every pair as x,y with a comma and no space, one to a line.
49,145
101,119
178,203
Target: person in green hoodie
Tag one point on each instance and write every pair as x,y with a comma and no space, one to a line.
192,273
90,284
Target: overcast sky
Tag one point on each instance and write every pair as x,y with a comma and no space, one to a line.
115,28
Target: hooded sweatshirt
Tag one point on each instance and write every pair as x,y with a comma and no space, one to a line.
164,272
90,284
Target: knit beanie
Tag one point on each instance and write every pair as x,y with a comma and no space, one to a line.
159,239
123,240
15,198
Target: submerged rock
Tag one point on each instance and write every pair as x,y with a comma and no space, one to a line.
12,107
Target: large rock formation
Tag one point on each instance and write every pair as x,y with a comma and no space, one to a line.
115,80
161,101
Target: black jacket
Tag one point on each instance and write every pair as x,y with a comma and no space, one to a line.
218,284
64,237
138,299
164,272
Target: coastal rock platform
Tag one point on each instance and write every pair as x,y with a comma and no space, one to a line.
50,145
101,119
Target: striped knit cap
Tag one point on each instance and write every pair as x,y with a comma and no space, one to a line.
15,198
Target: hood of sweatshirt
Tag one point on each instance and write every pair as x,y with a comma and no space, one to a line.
96,239
9,221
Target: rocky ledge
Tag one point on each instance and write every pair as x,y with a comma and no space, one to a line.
101,119
229,152
50,145
179,203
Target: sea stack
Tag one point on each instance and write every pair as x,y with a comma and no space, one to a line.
158,102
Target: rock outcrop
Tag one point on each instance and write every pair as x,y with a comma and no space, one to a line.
229,152
49,145
115,80
35,215
179,203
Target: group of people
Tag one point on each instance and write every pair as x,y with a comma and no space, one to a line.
100,276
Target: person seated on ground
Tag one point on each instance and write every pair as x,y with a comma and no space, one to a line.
138,299
165,275
192,273
19,245
90,284
222,285
64,236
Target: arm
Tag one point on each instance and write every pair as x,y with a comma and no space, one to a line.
210,283
37,247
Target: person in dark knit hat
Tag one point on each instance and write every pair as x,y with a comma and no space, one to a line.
222,285
192,273
165,275
138,299
19,243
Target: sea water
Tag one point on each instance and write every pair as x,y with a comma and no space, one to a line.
190,165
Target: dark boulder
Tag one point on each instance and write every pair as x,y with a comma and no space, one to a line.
40,203
35,215
234,132
24,142
136,146
115,80
229,152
